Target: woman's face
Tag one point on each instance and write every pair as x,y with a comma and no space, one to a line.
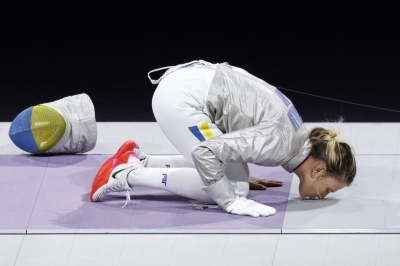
319,186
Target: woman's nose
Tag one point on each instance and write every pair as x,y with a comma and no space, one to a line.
323,195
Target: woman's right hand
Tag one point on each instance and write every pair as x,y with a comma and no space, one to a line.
243,206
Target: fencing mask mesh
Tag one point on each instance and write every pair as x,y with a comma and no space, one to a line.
37,129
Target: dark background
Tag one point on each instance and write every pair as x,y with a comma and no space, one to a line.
49,51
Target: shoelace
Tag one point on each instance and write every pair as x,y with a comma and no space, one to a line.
141,156
128,199
117,188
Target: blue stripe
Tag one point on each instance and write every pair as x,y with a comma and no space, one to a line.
295,118
283,97
195,130
297,115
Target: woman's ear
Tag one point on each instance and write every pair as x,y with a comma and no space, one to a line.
319,166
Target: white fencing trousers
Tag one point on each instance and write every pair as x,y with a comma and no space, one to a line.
185,182
179,108
167,161
175,174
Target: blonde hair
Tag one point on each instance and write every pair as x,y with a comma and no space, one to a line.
337,154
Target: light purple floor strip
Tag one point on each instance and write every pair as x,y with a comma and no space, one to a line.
51,194
20,180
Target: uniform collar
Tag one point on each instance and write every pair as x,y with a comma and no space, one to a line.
299,158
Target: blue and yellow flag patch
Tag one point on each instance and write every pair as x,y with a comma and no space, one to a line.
201,131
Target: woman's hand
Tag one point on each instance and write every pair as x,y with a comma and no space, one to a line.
262,183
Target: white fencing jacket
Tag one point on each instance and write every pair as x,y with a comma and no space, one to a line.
261,126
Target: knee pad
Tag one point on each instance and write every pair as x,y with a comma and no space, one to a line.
67,125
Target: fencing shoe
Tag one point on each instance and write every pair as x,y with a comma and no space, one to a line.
128,145
114,176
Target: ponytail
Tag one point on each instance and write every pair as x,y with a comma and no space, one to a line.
337,154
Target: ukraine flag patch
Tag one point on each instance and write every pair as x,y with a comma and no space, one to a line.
201,131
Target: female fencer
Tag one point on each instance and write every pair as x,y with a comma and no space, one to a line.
220,118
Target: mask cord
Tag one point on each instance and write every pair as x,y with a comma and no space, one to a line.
332,99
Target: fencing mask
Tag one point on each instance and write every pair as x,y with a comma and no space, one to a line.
67,125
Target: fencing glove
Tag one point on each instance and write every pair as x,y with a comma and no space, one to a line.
223,193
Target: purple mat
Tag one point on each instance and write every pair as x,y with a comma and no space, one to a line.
20,180
60,194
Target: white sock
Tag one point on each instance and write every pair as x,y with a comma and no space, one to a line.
185,182
167,161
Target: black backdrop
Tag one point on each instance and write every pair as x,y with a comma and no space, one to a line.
106,49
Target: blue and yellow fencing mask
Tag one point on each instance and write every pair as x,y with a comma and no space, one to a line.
67,125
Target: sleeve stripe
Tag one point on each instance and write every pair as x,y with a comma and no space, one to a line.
195,130
206,130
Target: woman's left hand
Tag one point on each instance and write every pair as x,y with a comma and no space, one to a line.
262,183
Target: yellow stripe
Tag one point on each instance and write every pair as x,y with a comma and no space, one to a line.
206,130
